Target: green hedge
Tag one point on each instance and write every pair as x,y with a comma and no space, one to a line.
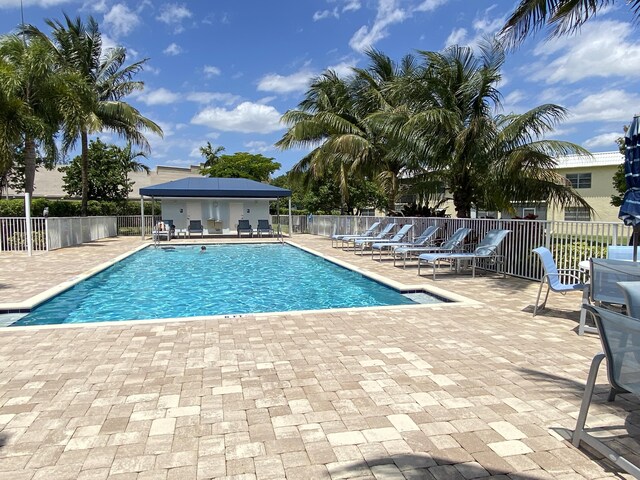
71,208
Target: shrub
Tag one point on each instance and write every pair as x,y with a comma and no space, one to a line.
72,208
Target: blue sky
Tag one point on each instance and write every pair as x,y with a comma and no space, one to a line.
224,71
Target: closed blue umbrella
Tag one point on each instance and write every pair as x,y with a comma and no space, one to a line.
630,208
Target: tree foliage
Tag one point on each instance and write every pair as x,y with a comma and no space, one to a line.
106,79
619,178
239,165
109,167
430,122
564,16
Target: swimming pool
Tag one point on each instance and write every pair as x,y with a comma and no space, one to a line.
233,279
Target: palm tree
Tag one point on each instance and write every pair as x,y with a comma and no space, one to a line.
326,113
565,16
78,48
449,129
333,119
31,91
130,164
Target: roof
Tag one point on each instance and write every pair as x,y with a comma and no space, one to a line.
215,188
599,159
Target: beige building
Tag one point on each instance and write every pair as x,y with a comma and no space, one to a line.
48,183
592,177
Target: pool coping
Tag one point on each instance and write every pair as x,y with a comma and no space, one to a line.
25,306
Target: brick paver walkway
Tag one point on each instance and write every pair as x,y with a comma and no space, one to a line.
431,393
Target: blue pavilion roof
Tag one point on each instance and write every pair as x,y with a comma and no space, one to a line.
215,188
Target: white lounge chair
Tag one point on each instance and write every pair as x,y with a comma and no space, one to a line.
397,238
487,249
424,239
336,237
384,233
452,245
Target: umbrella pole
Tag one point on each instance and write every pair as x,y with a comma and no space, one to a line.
636,232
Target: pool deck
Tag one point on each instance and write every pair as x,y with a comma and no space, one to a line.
441,392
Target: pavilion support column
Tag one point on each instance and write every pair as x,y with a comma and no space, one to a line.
142,216
290,220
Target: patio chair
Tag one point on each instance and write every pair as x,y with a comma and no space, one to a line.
486,250
424,239
244,227
603,285
336,237
452,245
160,230
631,292
397,238
561,280
620,252
171,227
620,337
264,227
384,233
195,226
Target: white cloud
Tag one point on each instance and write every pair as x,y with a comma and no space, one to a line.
343,69
430,5
607,140
245,118
209,97
601,49
322,14
120,20
388,14
458,36
351,6
515,96
173,14
99,6
258,146
211,71
296,82
606,106
483,26
173,49
161,96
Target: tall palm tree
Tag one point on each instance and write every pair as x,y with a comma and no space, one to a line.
78,48
564,16
31,91
450,129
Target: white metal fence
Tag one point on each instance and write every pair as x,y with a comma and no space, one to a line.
570,242
13,234
69,231
130,225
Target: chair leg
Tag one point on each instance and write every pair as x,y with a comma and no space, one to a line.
579,432
535,307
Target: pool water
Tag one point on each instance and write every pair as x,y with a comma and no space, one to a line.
182,281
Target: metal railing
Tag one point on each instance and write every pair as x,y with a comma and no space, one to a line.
130,225
570,242
13,234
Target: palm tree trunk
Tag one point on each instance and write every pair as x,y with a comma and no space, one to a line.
84,165
29,164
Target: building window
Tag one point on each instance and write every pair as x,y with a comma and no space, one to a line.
577,214
579,180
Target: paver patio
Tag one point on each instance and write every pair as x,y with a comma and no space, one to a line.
451,392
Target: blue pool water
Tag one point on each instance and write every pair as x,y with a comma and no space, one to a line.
226,279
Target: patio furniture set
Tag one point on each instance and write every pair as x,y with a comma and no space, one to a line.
452,251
